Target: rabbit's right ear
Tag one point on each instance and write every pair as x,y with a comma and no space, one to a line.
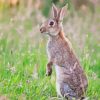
54,11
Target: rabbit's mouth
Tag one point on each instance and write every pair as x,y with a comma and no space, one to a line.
43,30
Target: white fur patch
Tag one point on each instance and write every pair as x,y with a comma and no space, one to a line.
58,89
58,73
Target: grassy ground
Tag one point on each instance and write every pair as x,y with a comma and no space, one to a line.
23,58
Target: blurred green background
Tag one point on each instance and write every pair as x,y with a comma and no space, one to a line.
23,55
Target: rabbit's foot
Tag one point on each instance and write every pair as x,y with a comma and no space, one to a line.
48,71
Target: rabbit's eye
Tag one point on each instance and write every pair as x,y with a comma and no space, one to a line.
51,23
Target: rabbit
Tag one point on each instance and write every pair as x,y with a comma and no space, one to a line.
71,81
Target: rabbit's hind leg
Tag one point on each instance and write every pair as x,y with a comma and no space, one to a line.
67,92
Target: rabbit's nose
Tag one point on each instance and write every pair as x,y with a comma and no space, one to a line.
42,29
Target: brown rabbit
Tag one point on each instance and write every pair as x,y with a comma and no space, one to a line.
71,82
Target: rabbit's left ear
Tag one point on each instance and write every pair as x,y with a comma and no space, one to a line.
61,13
55,11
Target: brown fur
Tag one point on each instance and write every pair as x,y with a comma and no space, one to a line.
61,54
70,76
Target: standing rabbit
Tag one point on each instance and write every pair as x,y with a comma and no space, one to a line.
71,82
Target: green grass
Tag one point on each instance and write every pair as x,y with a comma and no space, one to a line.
23,63
18,75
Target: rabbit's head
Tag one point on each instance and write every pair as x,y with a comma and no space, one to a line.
53,25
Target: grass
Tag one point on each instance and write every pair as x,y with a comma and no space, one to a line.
23,59
18,76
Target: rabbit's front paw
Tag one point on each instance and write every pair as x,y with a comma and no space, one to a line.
48,71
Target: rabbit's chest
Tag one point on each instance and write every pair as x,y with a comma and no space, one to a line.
55,50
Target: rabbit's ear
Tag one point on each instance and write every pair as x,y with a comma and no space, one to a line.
54,11
61,13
